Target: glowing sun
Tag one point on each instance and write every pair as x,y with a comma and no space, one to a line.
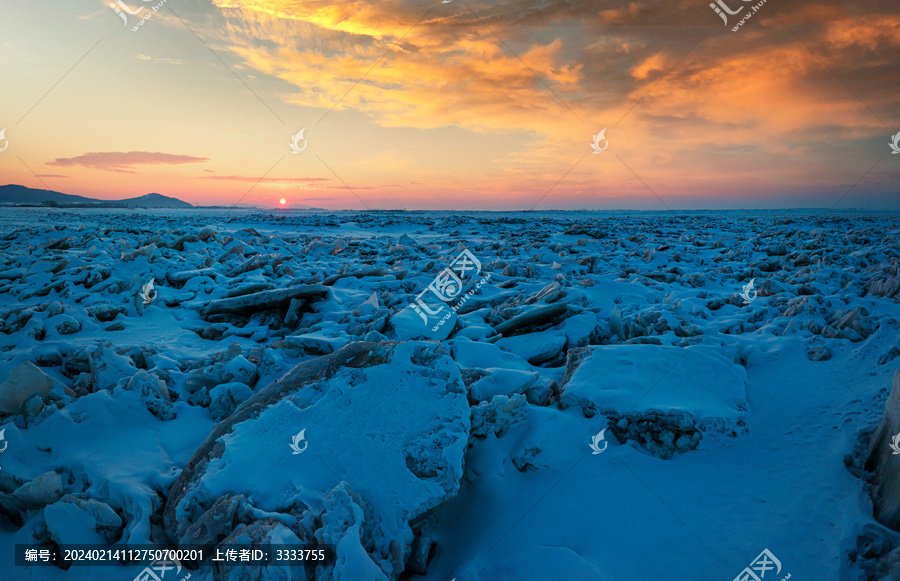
283,201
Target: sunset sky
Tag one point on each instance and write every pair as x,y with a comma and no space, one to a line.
420,104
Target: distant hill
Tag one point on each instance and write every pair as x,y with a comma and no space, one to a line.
14,194
17,195
297,207
155,201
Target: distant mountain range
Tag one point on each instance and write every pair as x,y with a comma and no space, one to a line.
15,195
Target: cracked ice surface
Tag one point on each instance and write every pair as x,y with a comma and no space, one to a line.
464,452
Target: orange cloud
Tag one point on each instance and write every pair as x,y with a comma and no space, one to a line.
123,162
779,91
552,74
265,180
431,75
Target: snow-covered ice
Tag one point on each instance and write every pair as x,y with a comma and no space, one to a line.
737,417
